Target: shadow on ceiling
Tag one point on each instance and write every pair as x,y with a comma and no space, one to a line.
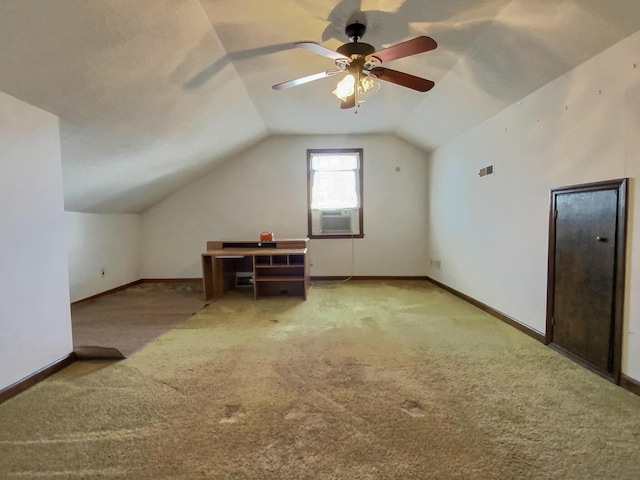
392,27
485,50
212,70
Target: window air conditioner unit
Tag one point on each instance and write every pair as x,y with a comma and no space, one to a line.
335,221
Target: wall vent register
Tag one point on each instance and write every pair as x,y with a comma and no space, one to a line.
488,170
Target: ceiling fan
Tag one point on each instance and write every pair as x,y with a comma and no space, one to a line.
362,63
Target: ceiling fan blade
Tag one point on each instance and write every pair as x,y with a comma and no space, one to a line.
404,49
307,79
320,50
401,78
350,102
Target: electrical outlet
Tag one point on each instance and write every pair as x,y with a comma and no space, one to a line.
436,263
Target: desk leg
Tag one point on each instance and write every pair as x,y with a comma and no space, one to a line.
224,276
207,277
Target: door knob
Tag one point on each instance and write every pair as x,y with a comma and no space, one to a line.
601,239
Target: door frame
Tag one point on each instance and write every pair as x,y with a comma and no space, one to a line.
621,186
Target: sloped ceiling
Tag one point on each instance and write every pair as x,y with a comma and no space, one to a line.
152,94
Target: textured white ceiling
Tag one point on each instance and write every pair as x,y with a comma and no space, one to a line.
153,93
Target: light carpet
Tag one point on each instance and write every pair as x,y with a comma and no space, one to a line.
364,380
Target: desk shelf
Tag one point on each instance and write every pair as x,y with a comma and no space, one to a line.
262,275
279,260
279,275
280,279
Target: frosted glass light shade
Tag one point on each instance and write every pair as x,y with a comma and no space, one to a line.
345,87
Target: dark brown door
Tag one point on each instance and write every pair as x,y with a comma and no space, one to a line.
586,280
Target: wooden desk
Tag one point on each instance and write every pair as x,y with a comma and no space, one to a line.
277,268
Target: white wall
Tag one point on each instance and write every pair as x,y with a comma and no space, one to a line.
265,188
98,243
491,233
35,322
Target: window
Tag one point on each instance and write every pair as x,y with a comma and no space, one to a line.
334,192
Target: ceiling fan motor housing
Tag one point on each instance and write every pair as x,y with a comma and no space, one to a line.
356,53
359,49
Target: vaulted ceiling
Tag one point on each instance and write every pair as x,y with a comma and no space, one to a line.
153,93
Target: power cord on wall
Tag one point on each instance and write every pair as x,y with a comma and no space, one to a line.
329,284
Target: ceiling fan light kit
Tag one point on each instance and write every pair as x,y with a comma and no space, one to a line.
361,62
